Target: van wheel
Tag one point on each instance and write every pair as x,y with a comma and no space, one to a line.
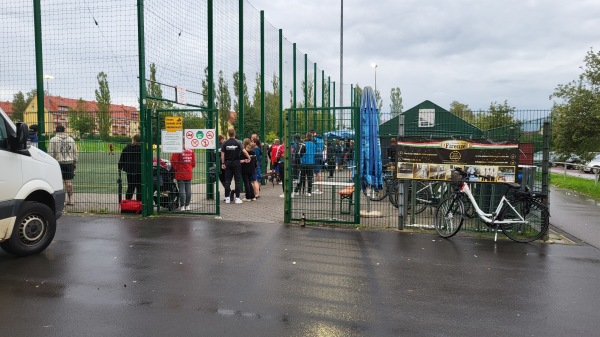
34,229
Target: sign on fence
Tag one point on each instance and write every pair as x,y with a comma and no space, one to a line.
434,159
172,142
173,123
200,139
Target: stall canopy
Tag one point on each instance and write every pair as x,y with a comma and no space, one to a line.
340,134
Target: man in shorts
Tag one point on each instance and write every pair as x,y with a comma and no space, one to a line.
62,148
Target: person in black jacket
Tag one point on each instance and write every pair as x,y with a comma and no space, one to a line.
231,152
248,168
131,162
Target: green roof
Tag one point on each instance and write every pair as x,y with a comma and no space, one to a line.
435,121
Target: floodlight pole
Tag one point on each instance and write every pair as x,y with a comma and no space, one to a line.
341,64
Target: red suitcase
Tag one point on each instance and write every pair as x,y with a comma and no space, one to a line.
127,206
131,206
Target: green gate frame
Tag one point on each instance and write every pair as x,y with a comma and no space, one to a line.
212,157
291,119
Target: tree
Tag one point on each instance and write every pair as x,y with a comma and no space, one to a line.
19,106
357,95
31,95
272,107
80,118
498,115
223,104
576,118
462,110
103,99
153,90
379,103
252,117
245,101
396,106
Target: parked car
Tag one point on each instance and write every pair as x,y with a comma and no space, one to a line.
571,161
539,156
593,165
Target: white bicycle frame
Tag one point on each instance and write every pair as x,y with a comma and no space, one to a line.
491,218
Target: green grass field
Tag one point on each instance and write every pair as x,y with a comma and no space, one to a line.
584,186
97,170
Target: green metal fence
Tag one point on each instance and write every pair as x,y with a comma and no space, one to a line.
108,70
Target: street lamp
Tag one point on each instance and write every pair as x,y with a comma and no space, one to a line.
48,77
374,66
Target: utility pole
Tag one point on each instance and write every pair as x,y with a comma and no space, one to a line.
340,119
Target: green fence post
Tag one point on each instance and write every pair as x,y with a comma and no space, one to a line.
240,132
287,179
145,119
294,88
352,104
314,127
280,131
322,118
262,75
39,74
357,170
329,116
334,110
306,102
210,187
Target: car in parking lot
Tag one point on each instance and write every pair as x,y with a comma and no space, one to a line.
593,165
571,161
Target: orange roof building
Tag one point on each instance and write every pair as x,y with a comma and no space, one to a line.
124,119
7,107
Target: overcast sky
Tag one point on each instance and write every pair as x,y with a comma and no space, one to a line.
474,52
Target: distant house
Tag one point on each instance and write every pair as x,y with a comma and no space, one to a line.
428,119
7,107
125,120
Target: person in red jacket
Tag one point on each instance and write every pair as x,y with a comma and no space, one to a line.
183,164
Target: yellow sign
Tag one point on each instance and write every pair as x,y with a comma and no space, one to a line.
173,123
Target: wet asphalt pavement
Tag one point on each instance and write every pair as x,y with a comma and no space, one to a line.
180,276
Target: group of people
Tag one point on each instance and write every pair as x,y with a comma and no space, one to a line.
239,162
182,164
310,158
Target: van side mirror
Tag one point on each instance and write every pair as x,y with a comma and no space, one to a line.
20,142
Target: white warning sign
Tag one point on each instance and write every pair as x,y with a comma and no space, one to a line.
200,139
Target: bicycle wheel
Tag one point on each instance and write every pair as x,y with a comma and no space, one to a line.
449,216
393,194
537,220
376,194
422,198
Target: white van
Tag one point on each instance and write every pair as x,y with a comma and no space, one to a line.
31,192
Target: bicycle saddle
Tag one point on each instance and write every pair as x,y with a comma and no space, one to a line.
513,185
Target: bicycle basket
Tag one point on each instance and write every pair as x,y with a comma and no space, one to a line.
457,179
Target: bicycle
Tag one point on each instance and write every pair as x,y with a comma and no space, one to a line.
272,176
432,193
522,219
390,188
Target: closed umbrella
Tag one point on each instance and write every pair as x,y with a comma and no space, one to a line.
371,171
